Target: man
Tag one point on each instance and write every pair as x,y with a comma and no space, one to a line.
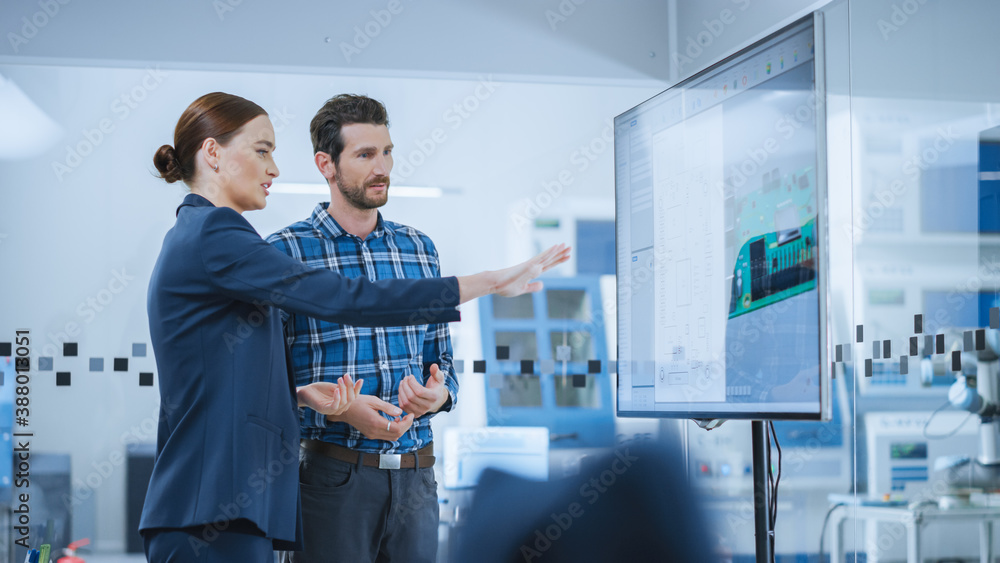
359,504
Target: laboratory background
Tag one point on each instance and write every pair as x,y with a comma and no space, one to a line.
503,120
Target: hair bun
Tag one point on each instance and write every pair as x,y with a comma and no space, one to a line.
167,164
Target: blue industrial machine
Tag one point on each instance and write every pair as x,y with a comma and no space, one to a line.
547,362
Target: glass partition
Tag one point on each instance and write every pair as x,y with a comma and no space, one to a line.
925,92
913,110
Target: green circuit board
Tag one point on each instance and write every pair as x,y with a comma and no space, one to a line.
771,264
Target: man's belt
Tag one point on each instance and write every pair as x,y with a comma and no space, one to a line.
424,457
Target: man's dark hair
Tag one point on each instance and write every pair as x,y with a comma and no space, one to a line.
338,111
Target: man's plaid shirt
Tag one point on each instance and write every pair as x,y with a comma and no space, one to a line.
382,357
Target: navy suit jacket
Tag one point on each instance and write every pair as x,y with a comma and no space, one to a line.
227,443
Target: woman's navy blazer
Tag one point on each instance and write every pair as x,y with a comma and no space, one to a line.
227,443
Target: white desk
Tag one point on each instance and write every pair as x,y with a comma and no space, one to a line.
914,520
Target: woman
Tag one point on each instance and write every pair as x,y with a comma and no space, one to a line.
225,483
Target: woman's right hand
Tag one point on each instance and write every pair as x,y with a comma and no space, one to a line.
515,280
329,398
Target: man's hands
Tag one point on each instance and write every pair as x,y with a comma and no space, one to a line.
513,281
418,399
329,398
365,415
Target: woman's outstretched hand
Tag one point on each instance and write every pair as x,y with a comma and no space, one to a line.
515,280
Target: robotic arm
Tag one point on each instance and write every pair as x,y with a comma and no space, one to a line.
966,394
976,390
963,395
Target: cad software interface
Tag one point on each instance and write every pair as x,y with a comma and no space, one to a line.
716,210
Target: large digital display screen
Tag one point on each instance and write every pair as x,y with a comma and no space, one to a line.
719,184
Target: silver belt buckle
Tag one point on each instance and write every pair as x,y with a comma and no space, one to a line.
389,461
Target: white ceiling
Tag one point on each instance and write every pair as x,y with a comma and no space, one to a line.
535,40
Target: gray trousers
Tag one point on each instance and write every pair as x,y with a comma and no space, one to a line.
357,514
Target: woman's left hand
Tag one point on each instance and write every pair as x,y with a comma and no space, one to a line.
329,398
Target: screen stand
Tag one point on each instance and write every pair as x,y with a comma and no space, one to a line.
762,526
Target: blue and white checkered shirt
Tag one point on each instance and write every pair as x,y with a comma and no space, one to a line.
381,357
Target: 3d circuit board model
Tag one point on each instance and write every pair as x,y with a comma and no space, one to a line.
776,264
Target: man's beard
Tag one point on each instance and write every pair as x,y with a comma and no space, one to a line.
358,195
